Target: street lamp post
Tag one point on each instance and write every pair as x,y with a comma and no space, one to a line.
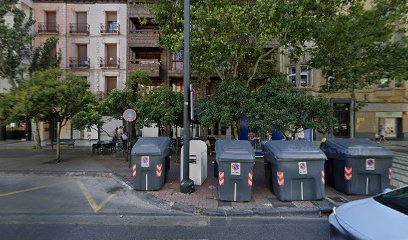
187,185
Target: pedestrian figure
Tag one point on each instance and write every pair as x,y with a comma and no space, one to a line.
120,131
115,135
381,132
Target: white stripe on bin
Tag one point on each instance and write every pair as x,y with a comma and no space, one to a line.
146,181
301,189
235,191
367,186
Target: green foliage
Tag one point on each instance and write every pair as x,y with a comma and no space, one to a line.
138,78
162,107
42,56
277,105
87,118
356,48
232,38
226,105
117,102
15,41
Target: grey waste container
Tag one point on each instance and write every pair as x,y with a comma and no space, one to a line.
358,166
150,163
235,160
295,170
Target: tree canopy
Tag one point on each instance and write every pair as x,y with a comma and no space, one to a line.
277,105
15,41
363,45
234,38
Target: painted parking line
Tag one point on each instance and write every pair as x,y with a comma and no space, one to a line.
95,207
28,190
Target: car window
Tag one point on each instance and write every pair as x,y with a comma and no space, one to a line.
397,200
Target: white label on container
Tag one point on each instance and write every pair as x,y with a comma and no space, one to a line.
302,167
370,164
145,161
236,169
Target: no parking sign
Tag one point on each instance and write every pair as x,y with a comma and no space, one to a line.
235,168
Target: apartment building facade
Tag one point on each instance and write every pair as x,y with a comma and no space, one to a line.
92,44
383,105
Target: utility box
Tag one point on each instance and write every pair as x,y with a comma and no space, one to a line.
358,166
235,160
197,162
295,170
150,162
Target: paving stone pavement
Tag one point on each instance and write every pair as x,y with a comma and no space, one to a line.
206,197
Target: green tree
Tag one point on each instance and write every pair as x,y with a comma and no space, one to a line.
114,104
162,107
277,105
43,56
361,46
61,97
226,105
239,39
15,41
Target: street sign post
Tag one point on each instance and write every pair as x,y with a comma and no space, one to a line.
129,115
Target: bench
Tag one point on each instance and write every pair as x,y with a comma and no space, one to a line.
63,142
103,147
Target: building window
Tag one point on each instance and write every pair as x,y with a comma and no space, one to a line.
305,76
292,75
51,21
112,25
111,84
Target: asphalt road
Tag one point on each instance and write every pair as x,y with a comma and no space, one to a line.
174,227
67,207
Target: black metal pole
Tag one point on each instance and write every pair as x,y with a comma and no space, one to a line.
187,185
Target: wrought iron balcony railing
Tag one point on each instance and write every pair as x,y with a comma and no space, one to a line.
79,62
110,28
48,27
79,28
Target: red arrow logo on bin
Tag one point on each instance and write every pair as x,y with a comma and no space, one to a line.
250,175
221,178
389,174
281,179
323,177
158,170
348,173
134,170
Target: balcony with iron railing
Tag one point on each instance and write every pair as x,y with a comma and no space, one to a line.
79,28
152,66
75,63
109,62
110,28
47,28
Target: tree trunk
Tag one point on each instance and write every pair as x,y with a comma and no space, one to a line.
58,143
235,130
37,136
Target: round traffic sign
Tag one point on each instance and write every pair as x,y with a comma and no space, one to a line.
129,115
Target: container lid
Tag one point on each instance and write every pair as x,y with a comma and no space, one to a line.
152,146
335,147
294,150
227,150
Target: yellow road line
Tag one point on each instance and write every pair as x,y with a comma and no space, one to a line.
95,207
28,190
